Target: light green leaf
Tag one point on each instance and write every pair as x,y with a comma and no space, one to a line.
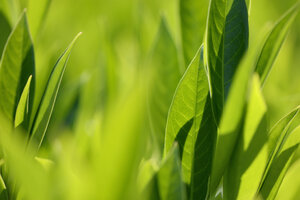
230,124
282,156
3,192
250,156
193,15
23,105
47,103
16,66
226,42
5,31
45,163
191,124
166,75
274,42
290,188
170,183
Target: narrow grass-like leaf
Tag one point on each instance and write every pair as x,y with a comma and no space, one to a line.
23,105
16,66
170,183
283,151
250,156
166,75
274,42
47,103
231,118
191,124
3,193
193,15
226,41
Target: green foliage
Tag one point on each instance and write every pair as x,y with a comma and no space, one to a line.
151,107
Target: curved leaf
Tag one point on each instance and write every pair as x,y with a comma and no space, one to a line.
16,66
164,65
274,42
23,105
226,40
46,105
193,15
191,124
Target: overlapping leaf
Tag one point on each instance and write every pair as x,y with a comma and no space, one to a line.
191,124
17,65
274,42
250,156
46,105
226,41
164,64
193,15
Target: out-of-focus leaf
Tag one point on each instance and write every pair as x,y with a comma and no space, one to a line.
45,163
230,124
3,193
165,67
191,124
47,103
226,41
17,65
5,31
283,157
274,42
251,153
170,183
37,11
290,187
23,105
193,15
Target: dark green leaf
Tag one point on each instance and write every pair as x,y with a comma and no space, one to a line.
226,41
193,15
5,31
274,42
17,65
47,103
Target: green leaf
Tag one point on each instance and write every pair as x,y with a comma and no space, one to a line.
170,184
290,187
274,42
23,105
45,163
193,15
47,103
250,156
191,124
281,157
166,75
17,65
3,191
5,31
231,118
226,41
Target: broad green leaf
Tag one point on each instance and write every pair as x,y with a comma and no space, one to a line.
47,103
191,124
5,31
16,66
230,124
274,42
290,187
193,15
166,75
170,183
226,43
281,158
250,156
23,105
